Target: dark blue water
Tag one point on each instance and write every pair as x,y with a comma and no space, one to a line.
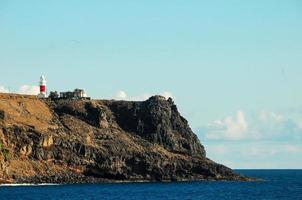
278,184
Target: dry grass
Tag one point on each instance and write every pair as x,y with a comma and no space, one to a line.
26,110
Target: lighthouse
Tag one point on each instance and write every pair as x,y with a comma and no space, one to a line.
42,87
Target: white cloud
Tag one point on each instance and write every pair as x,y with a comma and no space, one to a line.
122,95
262,140
266,116
233,128
262,126
29,90
24,89
3,89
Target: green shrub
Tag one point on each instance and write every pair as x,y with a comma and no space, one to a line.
4,152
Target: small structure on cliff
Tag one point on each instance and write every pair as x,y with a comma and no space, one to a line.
76,94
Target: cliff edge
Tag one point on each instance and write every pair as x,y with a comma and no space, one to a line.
79,141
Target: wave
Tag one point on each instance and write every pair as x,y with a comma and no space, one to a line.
26,184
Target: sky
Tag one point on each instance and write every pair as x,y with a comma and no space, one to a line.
233,67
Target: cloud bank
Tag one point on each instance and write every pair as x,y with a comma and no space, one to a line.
263,140
28,89
24,89
263,125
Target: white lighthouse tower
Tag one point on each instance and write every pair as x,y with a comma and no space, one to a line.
42,87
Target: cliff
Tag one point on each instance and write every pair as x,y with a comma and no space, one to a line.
77,141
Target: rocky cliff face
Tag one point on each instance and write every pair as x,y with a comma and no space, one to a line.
70,141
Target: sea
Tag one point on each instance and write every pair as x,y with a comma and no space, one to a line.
272,184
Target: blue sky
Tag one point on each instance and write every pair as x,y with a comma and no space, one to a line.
233,67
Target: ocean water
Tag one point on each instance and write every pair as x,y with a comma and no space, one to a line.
276,184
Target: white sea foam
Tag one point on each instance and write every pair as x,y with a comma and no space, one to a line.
26,184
